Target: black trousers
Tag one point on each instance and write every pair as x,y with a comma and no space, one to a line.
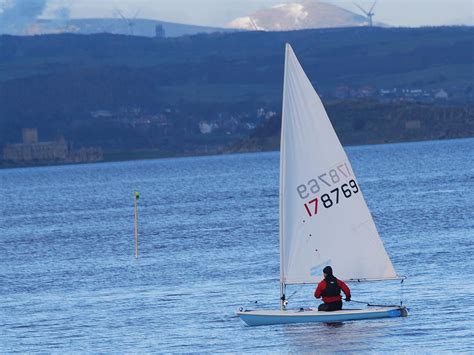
329,307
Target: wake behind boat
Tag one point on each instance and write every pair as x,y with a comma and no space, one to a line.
324,219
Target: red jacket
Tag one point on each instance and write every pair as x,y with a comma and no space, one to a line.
322,286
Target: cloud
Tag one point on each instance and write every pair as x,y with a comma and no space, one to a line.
17,15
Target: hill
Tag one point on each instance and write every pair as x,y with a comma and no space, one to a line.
203,93
137,27
298,16
370,122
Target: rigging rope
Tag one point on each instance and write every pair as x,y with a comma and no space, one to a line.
287,299
374,305
295,291
385,305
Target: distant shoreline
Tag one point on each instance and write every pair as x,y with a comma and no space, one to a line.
150,156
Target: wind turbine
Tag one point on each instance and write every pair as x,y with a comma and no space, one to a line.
130,22
369,13
252,22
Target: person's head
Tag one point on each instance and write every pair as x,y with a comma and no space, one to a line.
327,271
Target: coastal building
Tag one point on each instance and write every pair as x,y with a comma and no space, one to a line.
441,95
32,151
412,124
159,31
207,127
30,135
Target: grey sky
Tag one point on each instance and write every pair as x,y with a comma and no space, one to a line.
219,12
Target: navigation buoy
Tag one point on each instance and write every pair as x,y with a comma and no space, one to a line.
137,196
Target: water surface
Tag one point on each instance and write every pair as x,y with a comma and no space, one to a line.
209,245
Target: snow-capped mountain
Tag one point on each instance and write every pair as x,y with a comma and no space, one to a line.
297,16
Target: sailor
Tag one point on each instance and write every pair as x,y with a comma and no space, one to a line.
330,289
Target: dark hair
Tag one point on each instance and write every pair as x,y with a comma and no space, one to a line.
327,270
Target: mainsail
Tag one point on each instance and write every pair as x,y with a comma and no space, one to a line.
324,219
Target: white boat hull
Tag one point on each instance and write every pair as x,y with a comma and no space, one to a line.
309,315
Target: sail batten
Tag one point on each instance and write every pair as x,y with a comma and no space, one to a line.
324,219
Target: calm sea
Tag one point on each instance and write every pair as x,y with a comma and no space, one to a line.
69,280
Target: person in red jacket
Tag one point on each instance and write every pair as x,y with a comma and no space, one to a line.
330,289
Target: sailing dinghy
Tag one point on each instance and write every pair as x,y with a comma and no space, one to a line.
324,219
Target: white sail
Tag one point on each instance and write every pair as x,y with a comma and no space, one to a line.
324,219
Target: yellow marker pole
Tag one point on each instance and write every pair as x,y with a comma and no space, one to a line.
137,196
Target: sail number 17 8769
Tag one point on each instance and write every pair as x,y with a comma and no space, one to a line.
332,198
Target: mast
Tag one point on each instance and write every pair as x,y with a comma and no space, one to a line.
282,184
